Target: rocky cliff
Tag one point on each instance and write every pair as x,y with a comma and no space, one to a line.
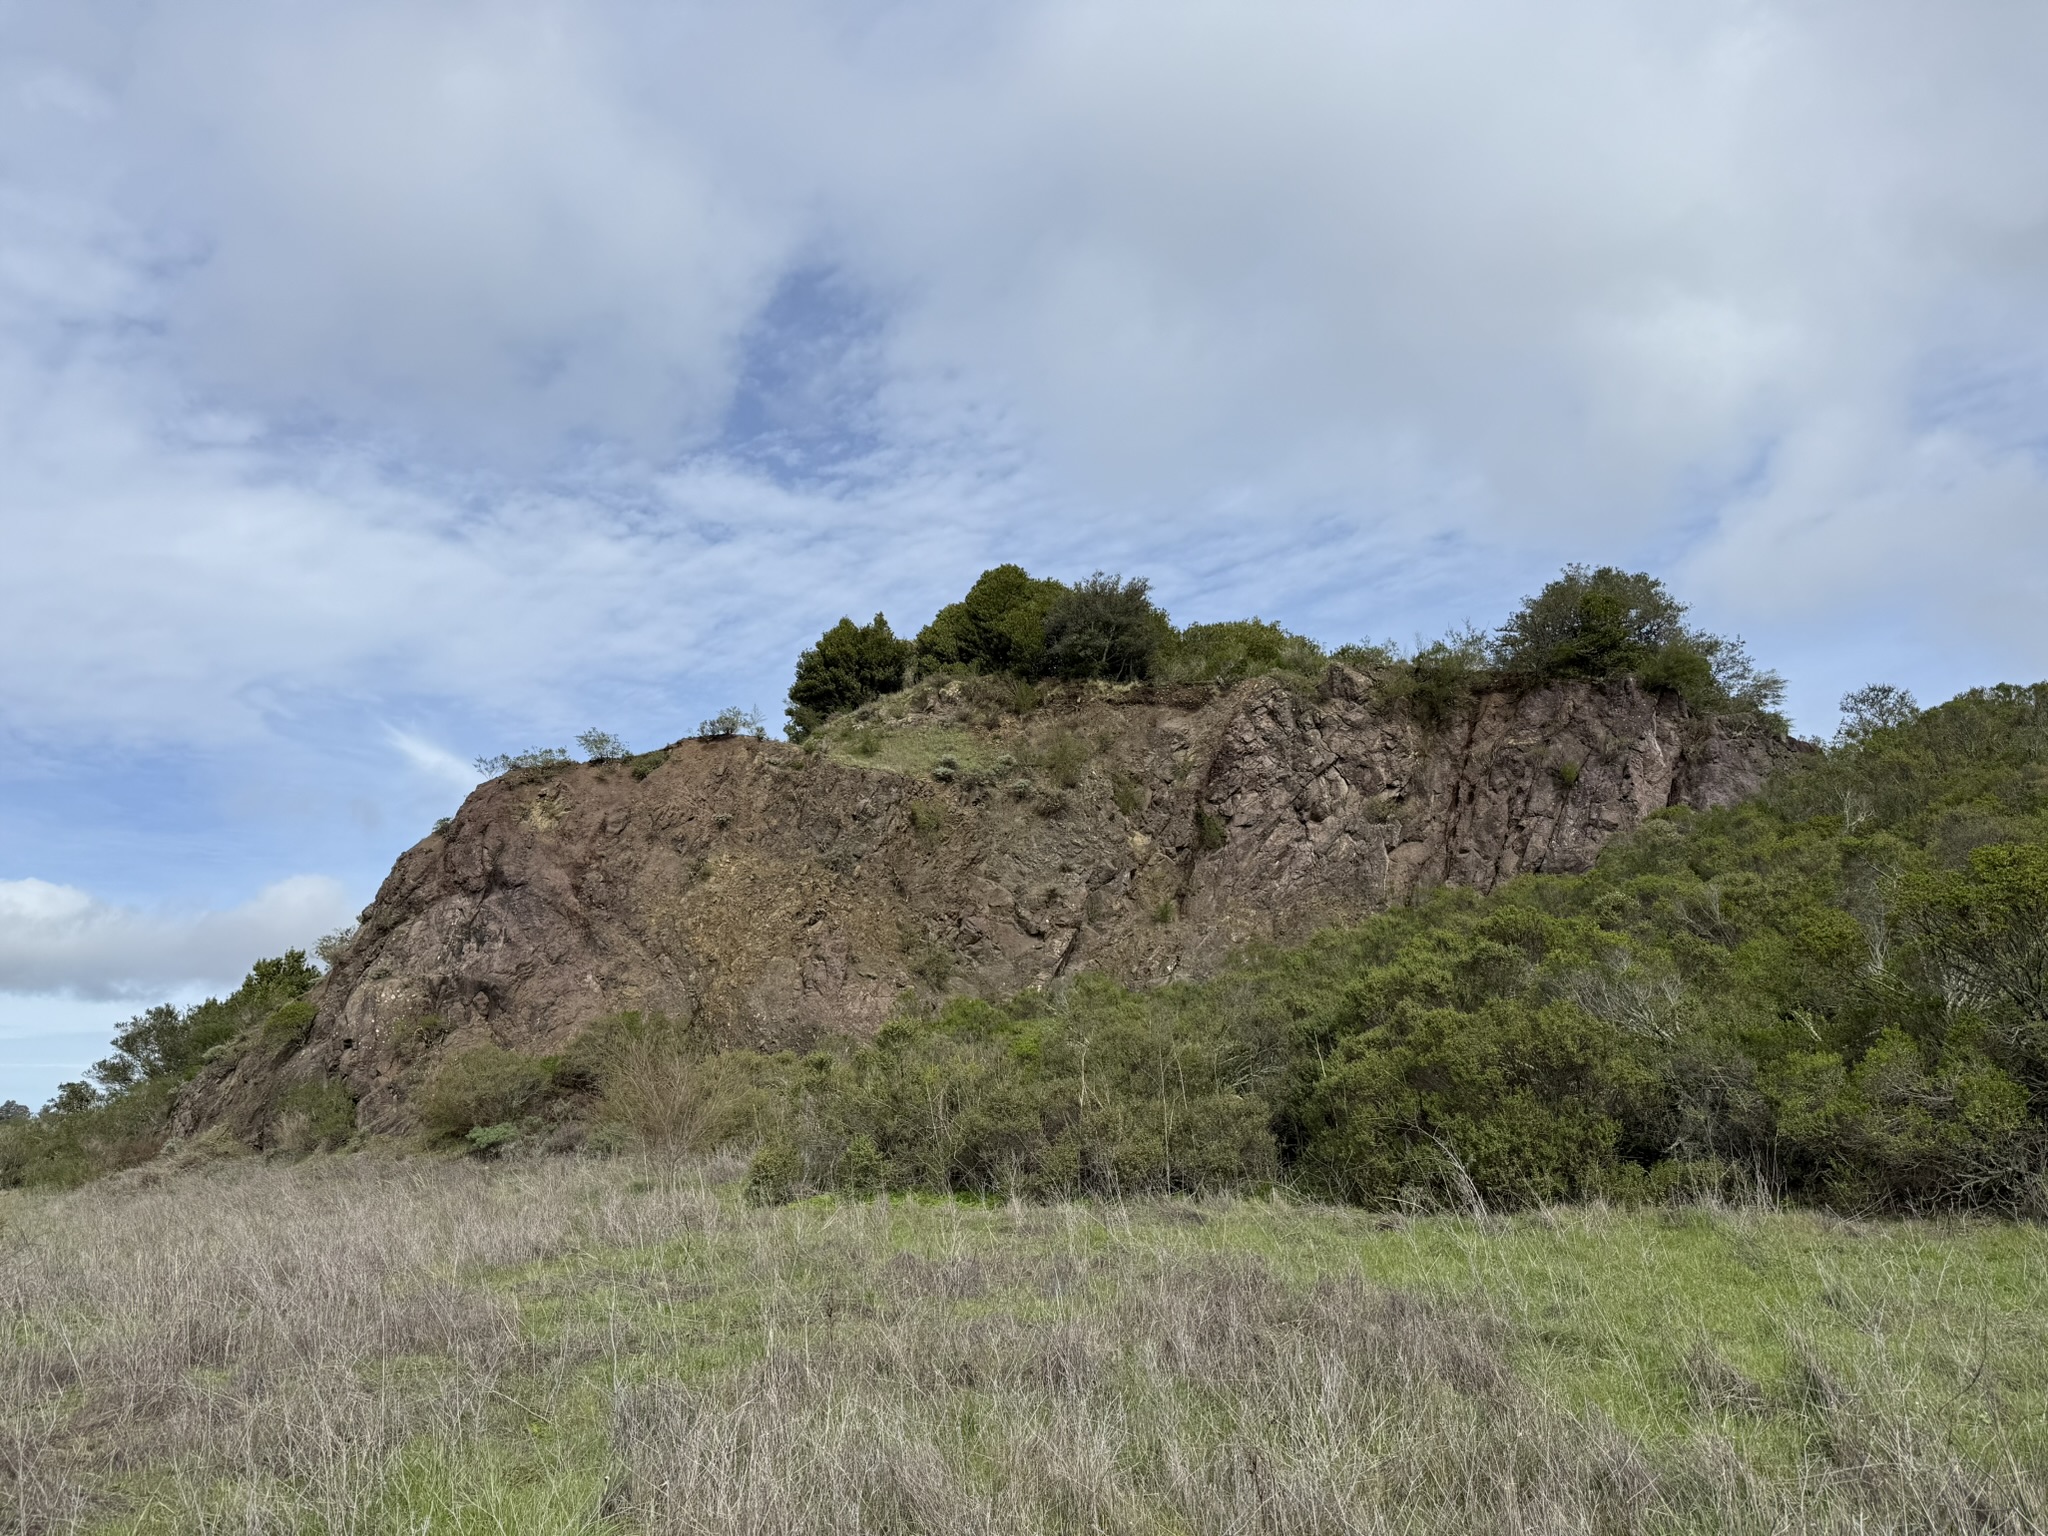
941,842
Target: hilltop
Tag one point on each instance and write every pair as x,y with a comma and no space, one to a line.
1058,899
940,842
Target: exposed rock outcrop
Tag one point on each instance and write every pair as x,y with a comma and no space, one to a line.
777,894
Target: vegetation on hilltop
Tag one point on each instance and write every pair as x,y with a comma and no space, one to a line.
1596,625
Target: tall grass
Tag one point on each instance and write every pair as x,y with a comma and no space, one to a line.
423,1346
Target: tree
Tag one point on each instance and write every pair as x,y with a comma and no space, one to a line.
169,1042
1872,708
1104,627
999,626
1608,623
1987,928
850,664
1605,623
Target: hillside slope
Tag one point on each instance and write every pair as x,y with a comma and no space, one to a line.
939,843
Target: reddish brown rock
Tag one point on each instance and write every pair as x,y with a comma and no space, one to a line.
777,895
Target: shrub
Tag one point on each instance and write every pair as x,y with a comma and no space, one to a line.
288,1025
1231,652
1105,1093
486,1085
602,747
659,1082
731,721
489,1140
1440,679
927,821
1128,793
999,626
533,757
850,664
1510,1104
1211,831
1607,624
776,1174
1105,628
1066,758
317,1114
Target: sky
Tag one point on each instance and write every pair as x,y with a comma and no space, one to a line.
390,384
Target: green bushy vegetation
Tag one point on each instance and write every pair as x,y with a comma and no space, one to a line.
118,1118
1837,994
1231,652
999,626
1598,625
850,664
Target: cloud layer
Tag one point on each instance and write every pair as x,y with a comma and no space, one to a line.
58,939
389,383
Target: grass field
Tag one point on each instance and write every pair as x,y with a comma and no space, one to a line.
423,1346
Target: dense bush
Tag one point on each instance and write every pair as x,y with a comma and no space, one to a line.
1230,652
1607,624
999,626
850,664
484,1086
1837,993
1099,1091
1104,627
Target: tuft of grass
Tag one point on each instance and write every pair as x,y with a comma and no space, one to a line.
1066,759
1128,793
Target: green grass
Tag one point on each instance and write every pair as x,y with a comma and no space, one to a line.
361,1345
914,750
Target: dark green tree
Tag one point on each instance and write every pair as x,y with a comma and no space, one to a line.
999,626
1605,623
1608,623
850,664
1105,627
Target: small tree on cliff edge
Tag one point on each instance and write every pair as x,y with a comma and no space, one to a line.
1609,623
850,664
1105,627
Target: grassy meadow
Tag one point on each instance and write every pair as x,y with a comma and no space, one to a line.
422,1345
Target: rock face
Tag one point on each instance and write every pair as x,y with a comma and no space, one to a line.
776,894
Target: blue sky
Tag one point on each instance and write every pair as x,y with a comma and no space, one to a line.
389,384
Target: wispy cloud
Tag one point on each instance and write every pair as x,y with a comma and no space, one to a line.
435,761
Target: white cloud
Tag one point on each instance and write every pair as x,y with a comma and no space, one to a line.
435,761
59,939
385,351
